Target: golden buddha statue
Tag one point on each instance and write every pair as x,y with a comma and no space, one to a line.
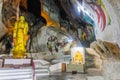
20,36
78,58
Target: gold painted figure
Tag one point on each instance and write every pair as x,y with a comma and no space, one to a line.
20,36
78,58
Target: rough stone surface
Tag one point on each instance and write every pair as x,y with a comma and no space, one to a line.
95,78
111,32
111,69
2,27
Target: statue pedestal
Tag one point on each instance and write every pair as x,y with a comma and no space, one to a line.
17,69
17,63
75,67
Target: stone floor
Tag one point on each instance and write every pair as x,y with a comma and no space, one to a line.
92,75
71,77
110,71
63,76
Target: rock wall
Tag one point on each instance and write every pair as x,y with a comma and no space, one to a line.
2,27
111,32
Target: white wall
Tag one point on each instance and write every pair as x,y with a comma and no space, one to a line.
111,32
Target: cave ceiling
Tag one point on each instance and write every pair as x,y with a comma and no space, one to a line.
74,17
64,10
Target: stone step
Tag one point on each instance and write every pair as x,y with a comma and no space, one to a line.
15,77
5,70
16,74
24,73
41,68
18,79
41,72
26,79
41,63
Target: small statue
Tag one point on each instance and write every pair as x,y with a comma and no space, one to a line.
20,36
78,58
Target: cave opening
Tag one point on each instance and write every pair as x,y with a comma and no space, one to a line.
34,7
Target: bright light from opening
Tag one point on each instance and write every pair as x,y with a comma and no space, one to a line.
78,8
